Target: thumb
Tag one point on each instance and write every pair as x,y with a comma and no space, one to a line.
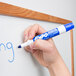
41,45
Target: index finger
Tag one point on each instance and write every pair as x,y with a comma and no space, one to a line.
36,29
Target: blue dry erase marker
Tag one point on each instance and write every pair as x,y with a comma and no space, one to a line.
52,33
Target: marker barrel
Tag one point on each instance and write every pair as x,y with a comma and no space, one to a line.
52,33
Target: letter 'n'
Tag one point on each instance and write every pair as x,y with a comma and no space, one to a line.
3,46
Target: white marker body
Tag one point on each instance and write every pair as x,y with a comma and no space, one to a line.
27,43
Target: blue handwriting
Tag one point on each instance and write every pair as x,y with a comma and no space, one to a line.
8,46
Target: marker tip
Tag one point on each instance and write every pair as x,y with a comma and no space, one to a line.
19,46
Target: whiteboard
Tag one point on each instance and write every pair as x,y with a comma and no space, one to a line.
18,62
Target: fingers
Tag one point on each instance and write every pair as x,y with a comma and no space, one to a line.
26,33
41,45
32,31
30,34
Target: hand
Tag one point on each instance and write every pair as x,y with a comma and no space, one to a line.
44,51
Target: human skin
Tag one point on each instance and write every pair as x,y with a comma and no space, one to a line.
45,52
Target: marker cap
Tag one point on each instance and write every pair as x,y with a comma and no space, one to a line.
69,26
65,28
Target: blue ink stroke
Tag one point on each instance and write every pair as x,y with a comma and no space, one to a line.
2,45
11,47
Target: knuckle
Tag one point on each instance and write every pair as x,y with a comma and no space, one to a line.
36,25
25,33
31,34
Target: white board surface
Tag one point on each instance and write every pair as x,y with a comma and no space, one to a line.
18,62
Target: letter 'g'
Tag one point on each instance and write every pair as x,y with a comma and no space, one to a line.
9,46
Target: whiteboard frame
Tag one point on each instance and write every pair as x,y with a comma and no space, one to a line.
72,52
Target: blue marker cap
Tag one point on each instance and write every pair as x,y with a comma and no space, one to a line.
69,26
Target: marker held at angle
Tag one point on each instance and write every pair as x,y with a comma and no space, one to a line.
52,33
